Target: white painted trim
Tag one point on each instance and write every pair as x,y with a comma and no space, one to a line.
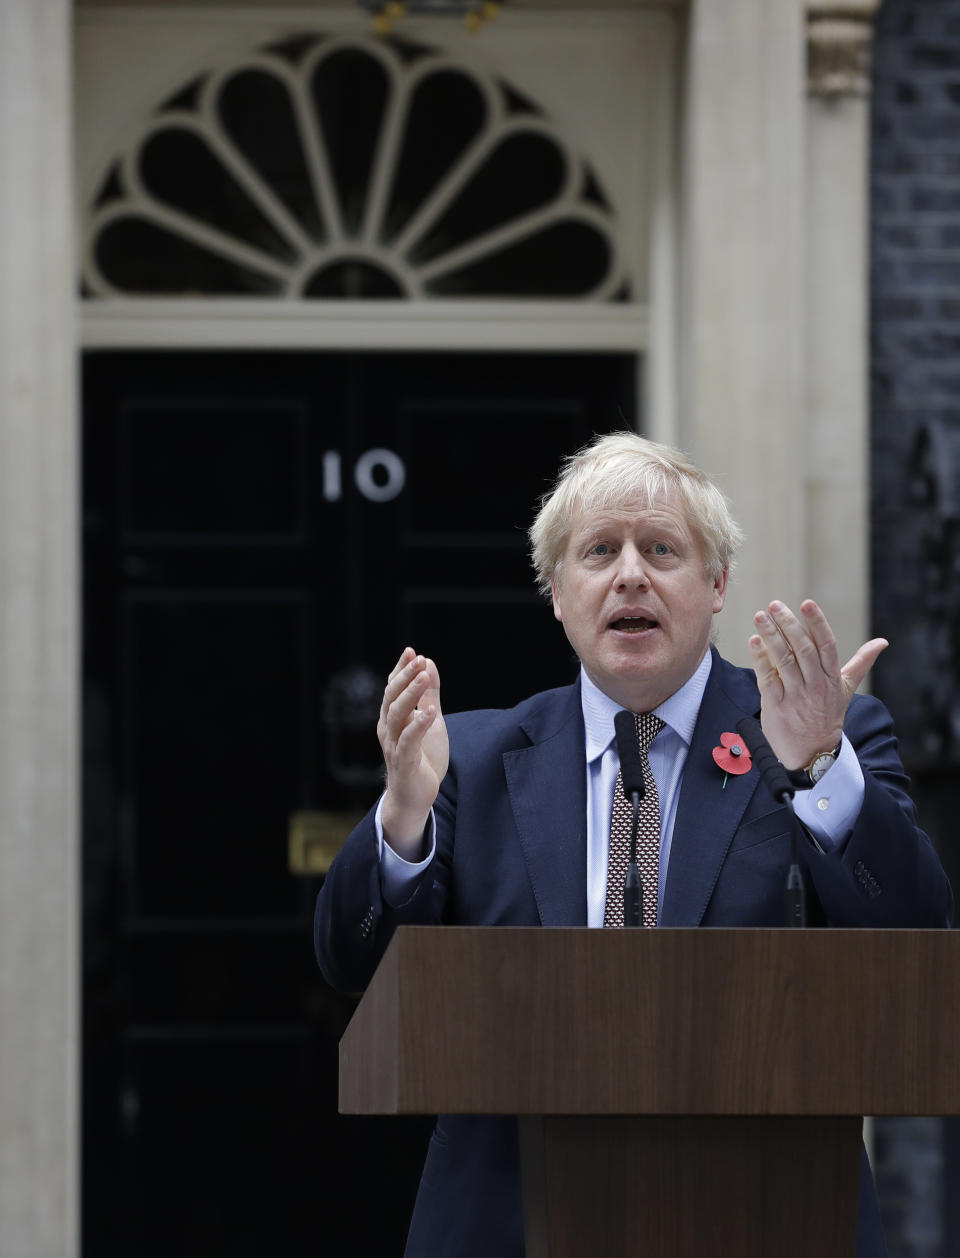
40,760
660,410
117,322
308,257
247,323
352,19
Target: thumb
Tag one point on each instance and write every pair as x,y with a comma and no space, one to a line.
431,695
860,663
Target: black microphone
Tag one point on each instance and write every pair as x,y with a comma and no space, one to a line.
628,749
779,783
774,775
631,773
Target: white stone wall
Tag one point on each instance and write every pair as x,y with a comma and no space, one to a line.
773,339
39,1058
742,260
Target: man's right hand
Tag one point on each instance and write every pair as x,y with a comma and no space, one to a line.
416,751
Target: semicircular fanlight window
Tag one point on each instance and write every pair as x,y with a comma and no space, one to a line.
145,258
258,114
445,115
351,168
584,252
350,91
521,174
353,277
212,195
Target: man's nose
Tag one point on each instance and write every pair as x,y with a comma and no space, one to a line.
632,570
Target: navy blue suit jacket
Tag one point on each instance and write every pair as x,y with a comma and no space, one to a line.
511,850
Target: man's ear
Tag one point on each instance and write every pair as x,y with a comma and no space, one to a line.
555,593
720,590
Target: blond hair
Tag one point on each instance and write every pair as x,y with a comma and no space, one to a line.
623,469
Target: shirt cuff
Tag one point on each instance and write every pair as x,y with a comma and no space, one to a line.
830,808
398,876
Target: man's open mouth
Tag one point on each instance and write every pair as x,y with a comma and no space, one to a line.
633,624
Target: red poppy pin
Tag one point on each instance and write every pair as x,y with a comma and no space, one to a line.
733,756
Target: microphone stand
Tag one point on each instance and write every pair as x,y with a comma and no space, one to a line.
778,782
795,893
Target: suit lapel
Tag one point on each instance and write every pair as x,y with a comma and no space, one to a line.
546,783
708,813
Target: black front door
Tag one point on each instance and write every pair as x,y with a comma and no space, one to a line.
263,533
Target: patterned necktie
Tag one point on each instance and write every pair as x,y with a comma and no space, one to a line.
648,835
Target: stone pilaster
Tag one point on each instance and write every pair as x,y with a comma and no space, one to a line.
741,324
833,446
38,639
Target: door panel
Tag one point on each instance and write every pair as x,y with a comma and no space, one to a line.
263,533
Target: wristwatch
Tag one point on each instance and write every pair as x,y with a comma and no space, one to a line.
821,762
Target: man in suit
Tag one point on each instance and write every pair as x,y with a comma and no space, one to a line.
503,817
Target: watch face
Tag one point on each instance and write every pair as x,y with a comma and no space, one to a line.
821,765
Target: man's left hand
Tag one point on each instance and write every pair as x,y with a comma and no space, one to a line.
804,691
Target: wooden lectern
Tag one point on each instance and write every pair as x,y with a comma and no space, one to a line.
680,1092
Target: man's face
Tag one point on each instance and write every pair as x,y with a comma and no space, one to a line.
635,601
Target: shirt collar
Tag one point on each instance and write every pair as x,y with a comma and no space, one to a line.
679,711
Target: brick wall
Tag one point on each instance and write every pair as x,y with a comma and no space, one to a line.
915,387
915,310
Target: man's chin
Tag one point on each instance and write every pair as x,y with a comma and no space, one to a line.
637,653
636,682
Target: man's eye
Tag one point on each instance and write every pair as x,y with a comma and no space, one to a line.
661,548
601,548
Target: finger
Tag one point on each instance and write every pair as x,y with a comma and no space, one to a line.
860,663
401,697
782,655
431,694
823,636
408,665
406,656
415,687
767,674
410,742
404,765
401,677
800,649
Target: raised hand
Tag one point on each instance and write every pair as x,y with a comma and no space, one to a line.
804,691
416,751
